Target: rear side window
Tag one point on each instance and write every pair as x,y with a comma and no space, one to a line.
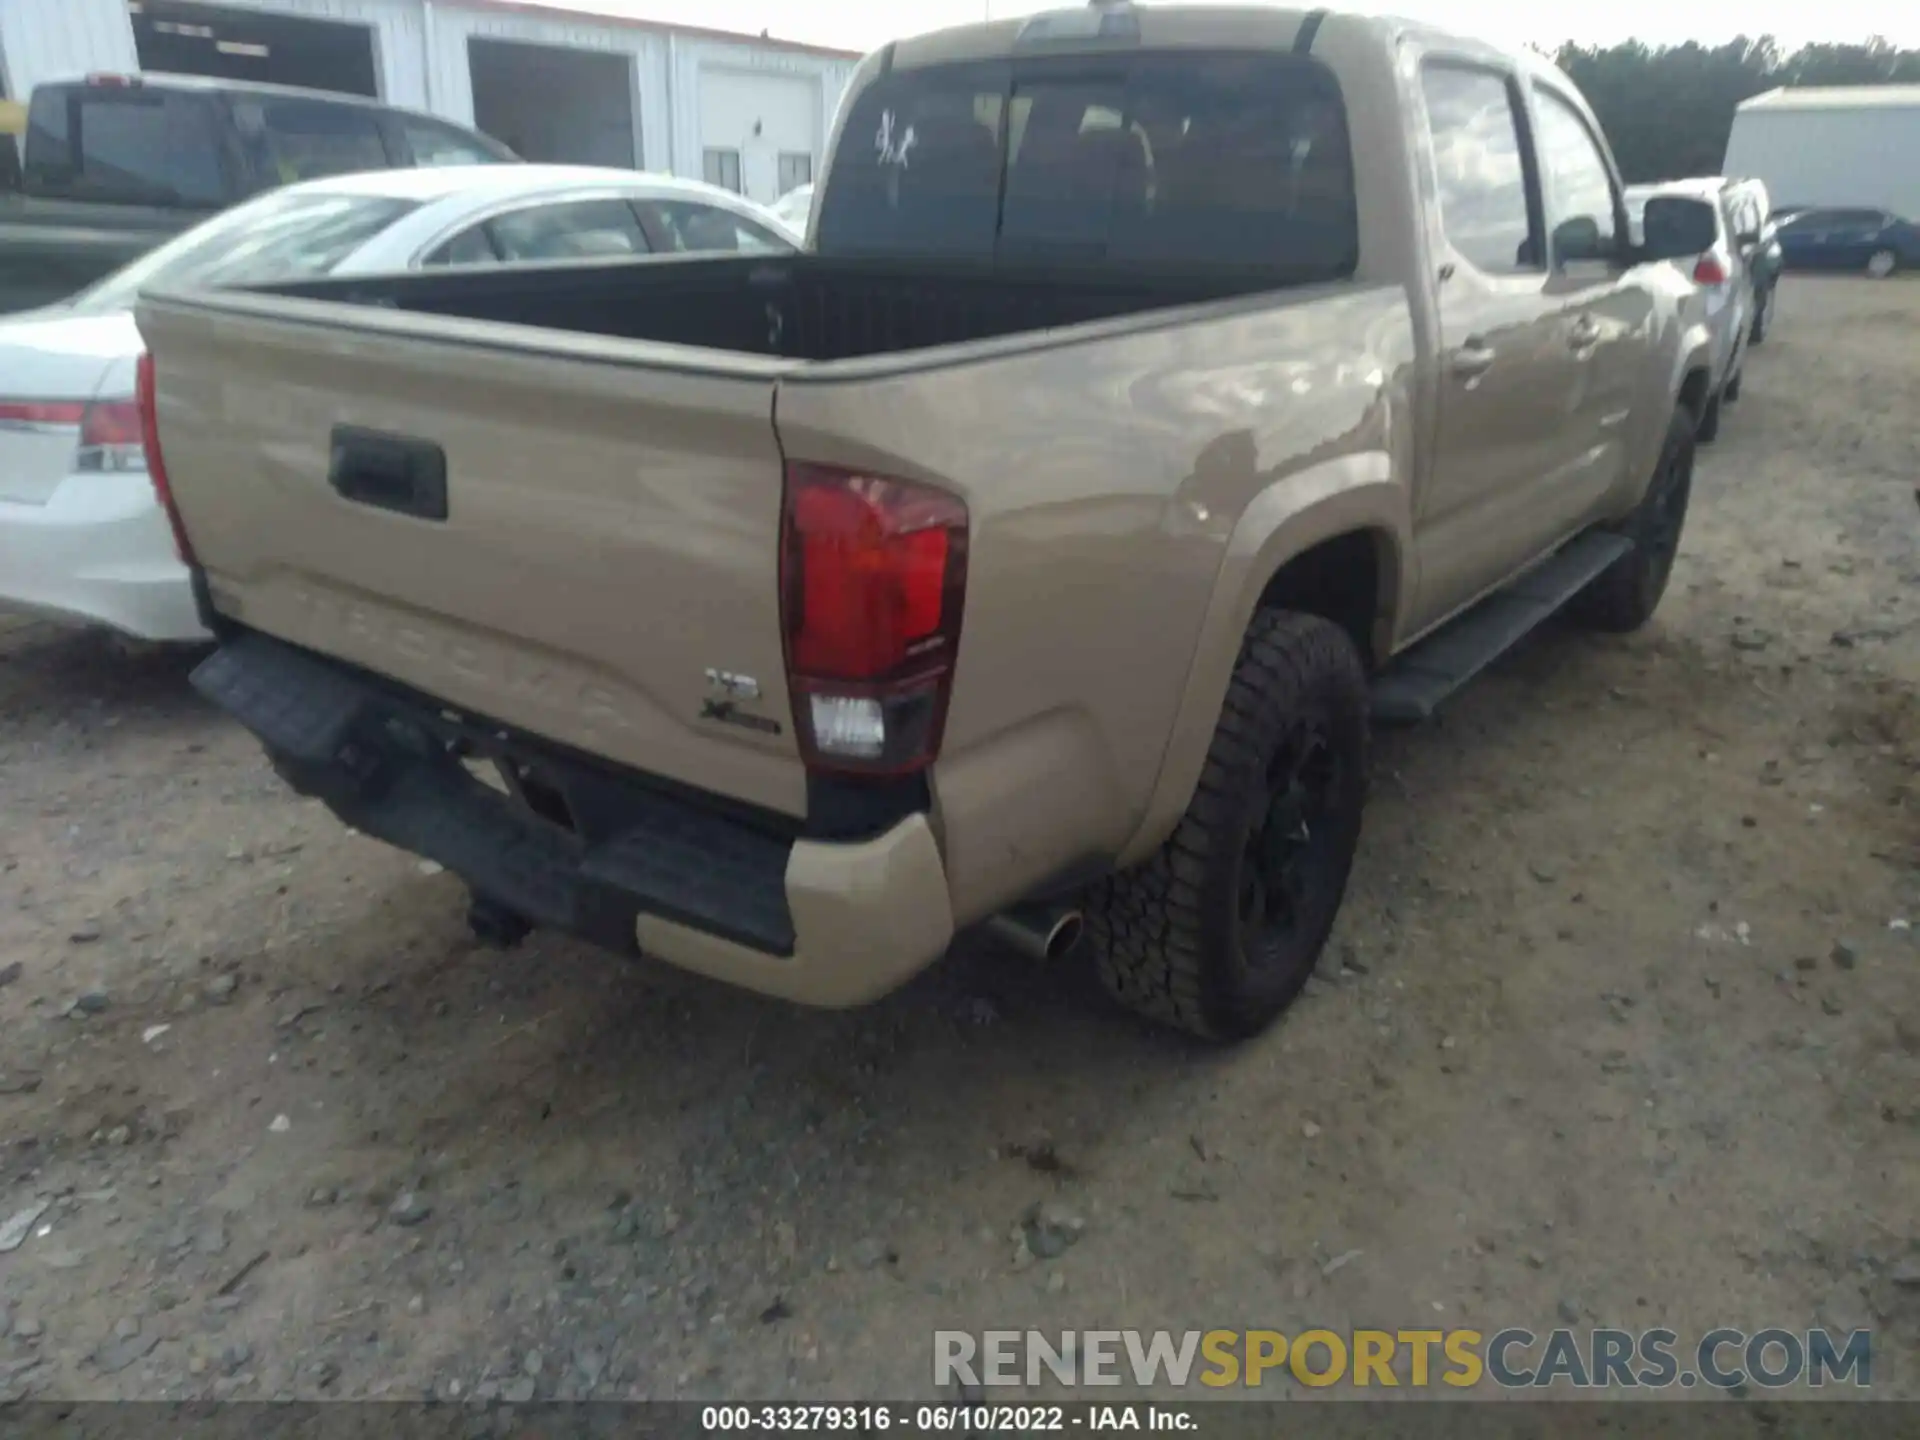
469,247
128,145
293,140
1189,160
686,227
579,230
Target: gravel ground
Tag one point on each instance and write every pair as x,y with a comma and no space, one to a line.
1619,1027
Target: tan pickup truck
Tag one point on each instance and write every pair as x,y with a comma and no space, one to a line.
1164,393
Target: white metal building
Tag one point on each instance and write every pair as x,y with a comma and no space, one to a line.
1855,146
562,84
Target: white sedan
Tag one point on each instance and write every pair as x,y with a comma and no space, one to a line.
81,534
793,208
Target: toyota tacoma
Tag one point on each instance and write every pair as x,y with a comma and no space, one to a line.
1165,396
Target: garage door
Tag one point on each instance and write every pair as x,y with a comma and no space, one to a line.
550,103
187,39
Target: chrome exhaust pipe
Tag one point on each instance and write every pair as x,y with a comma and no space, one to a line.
1042,932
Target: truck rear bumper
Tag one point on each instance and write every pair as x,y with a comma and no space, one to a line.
573,845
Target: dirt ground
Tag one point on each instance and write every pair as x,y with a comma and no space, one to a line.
1619,1027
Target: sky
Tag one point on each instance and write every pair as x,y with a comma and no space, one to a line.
865,24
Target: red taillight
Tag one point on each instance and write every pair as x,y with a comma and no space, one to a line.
874,574
111,438
102,81
156,467
1709,271
42,412
112,422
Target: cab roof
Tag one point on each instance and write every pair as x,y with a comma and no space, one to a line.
1252,27
245,90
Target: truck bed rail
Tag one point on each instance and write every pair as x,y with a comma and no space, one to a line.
802,307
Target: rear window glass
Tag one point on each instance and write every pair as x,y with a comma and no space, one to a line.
279,237
130,146
1183,160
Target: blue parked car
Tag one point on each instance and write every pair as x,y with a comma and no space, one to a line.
1869,240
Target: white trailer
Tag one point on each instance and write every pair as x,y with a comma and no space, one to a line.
1855,147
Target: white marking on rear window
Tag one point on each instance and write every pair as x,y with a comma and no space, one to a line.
890,152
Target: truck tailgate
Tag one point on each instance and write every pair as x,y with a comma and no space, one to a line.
557,532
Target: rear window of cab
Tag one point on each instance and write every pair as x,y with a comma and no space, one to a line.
1188,160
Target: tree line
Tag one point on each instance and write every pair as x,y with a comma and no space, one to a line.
1668,111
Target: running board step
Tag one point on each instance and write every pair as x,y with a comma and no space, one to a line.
1411,687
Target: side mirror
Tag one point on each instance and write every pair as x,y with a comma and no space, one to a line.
1678,228
1578,239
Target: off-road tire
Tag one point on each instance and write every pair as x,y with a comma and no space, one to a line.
1624,596
1168,938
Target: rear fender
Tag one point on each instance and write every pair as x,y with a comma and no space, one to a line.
1695,356
1352,493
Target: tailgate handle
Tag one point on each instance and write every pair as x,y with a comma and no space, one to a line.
389,472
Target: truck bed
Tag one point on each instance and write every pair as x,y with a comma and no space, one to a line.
800,307
552,498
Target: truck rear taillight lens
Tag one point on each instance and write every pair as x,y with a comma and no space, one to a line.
157,467
1709,272
112,439
873,578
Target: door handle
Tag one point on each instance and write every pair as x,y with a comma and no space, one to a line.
1473,359
1585,333
389,472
